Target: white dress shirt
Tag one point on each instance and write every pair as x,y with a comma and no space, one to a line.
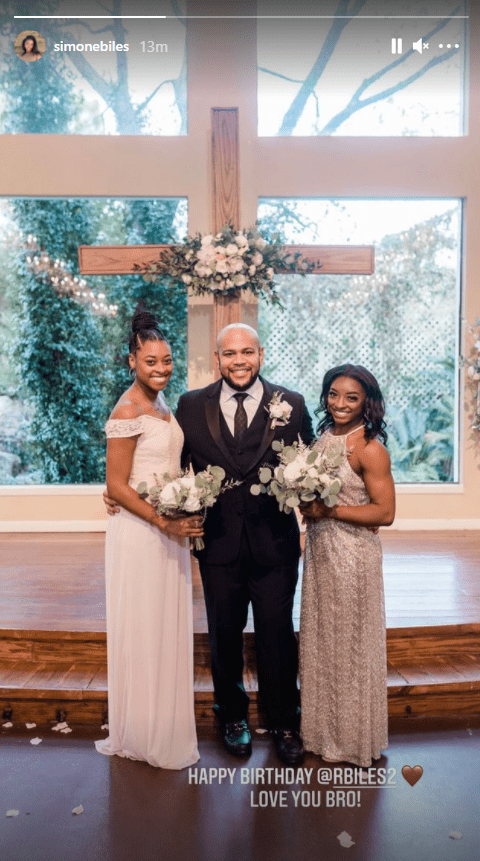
228,402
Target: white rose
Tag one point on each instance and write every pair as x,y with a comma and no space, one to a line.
187,279
257,258
260,243
270,273
276,410
236,264
312,472
229,283
207,254
239,280
325,479
231,249
292,471
207,240
187,481
241,240
471,372
252,270
168,494
192,503
222,266
202,270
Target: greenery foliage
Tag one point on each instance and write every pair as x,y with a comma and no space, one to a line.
377,321
60,357
70,366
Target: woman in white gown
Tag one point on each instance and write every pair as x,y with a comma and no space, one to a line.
148,577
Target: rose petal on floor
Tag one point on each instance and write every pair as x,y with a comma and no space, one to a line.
12,813
35,740
78,810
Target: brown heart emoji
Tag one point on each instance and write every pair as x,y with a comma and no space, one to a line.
412,775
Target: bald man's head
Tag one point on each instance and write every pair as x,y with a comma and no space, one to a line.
244,327
239,355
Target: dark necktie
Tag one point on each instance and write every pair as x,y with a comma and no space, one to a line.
240,421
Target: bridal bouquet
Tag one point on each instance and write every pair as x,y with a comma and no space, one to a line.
302,475
186,494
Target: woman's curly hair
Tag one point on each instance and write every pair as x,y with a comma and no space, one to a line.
373,408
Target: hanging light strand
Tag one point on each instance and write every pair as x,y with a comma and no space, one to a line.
55,273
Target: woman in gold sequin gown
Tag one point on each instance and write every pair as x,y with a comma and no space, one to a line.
342,628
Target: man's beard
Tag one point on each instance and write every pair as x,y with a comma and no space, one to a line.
236,386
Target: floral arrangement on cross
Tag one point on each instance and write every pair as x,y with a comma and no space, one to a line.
226,263
473,372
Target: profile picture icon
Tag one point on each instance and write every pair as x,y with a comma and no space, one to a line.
30,46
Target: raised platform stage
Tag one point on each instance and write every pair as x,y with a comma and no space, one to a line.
53,642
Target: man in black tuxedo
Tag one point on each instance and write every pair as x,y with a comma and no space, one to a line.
251,548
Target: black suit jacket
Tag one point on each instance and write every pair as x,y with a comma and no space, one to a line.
272,534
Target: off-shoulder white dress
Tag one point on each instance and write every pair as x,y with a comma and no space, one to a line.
149,617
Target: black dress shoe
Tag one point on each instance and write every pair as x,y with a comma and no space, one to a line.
236,738
288,745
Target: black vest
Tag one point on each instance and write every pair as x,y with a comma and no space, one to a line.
244,454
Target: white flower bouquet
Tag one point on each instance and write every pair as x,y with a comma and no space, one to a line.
226,263
186,494
303,474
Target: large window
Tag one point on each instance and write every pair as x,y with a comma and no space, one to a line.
401,322
375,67
63,344
96,75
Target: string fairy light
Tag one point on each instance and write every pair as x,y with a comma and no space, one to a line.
55,273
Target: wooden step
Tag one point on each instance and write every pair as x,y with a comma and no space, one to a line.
430,641
403,644
39,691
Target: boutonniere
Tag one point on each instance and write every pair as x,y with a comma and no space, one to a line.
278,410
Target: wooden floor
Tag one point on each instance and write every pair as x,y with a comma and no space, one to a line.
56,582
53,641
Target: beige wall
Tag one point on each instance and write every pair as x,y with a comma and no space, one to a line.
40,165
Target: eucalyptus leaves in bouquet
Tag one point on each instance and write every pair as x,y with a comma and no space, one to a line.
186,494
303,474
226,263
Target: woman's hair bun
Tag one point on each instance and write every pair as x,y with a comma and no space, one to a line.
143,321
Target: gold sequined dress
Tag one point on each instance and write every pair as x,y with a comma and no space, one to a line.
342,632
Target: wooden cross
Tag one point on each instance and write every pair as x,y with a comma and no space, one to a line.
120,259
